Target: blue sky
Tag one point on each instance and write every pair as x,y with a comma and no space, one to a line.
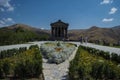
80,14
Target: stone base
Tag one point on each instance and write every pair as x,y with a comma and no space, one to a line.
59,38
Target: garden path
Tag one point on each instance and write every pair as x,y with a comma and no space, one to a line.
100,47
57,71
104,48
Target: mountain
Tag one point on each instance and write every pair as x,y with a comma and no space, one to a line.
27,27
110,35
116,27
21,33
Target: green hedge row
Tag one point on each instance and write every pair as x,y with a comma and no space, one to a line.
113,56
11,52
14,51
86,66
27,64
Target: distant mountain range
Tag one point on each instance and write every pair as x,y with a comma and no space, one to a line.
17,33
95,33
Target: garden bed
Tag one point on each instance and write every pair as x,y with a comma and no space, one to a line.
57,52
22,63
91,64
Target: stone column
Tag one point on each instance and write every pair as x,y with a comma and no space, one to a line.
58,31
55,32
52,32
65,32
61,32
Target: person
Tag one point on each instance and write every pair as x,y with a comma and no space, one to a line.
86,40
81,39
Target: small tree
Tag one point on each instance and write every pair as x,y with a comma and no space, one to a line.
6,67
1,69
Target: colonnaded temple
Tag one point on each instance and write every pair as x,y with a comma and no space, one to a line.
59,30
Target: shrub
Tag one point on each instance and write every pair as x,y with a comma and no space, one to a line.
22,49
103,70
114,57
6,67
29,66
106,55
11,52
1,69
33,46
25,65
89,66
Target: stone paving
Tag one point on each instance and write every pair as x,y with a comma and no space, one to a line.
100,47
104,48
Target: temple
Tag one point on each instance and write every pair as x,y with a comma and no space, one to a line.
59,30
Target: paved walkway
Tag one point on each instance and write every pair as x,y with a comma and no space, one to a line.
104,48
100,47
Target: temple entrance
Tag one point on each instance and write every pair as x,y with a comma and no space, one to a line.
59,30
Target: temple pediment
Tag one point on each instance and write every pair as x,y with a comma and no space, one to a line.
59,23
59,30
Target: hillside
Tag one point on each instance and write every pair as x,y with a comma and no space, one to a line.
94,34
21,33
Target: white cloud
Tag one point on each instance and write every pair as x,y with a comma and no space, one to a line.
106,2
42,28
107,19
9,19
6,4
2,22
1,9
6,21
113,10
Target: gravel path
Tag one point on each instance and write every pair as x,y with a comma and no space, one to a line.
100,47
57,72
6,47
104,48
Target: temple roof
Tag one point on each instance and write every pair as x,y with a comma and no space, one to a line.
59,22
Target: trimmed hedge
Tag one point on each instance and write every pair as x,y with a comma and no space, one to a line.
27,64
113,57
90,66
11,52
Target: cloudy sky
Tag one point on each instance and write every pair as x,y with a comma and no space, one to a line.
80,14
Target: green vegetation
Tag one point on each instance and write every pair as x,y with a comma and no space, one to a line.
19,35
26,64
106,55
89,64
11,52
